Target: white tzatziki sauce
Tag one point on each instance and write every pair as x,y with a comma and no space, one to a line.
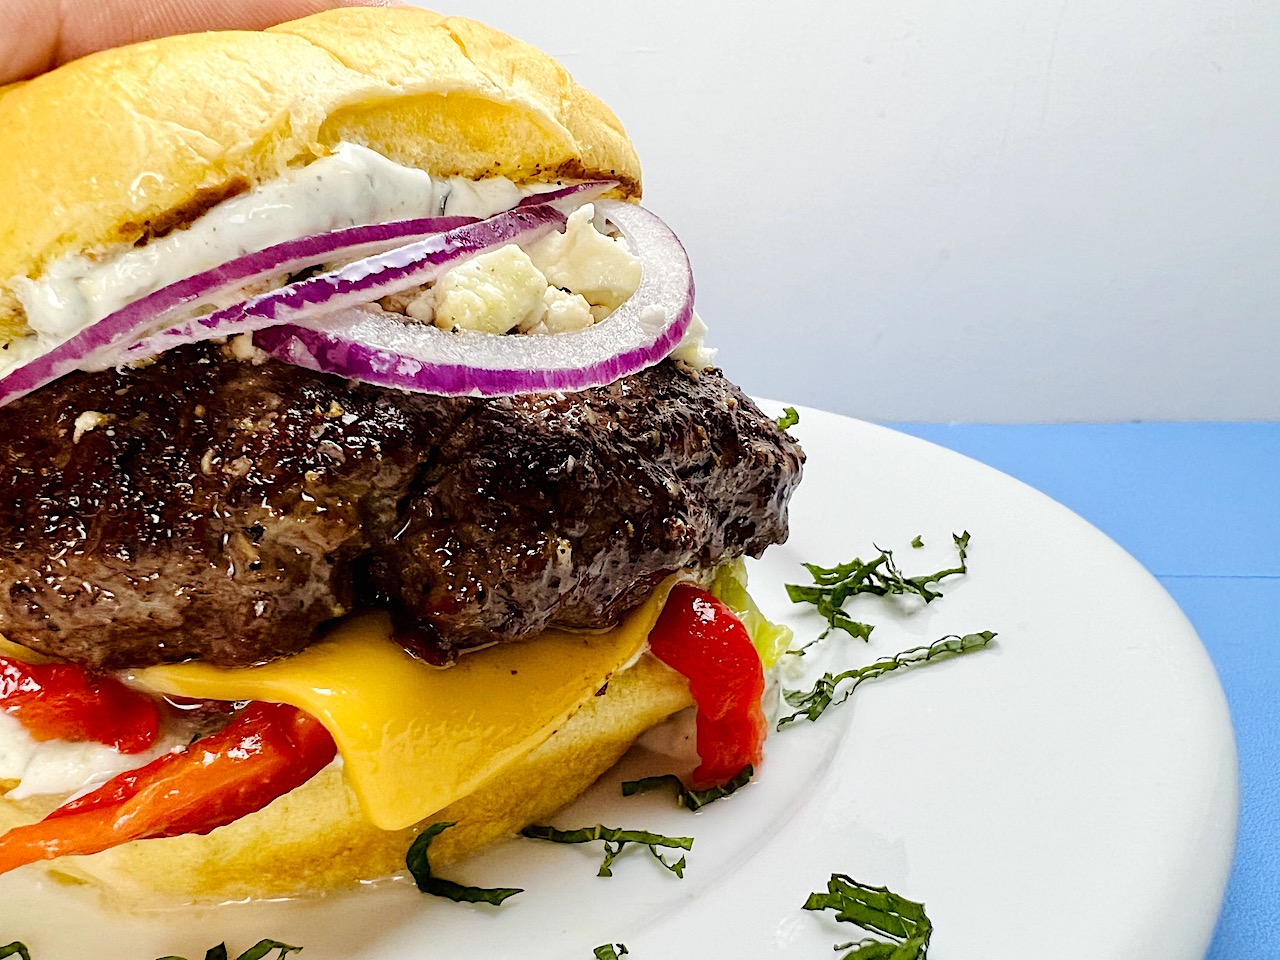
353,186
61,767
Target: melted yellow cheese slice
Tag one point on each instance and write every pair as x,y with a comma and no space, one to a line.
15,651
414,738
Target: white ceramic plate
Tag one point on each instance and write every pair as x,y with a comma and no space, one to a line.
1070,792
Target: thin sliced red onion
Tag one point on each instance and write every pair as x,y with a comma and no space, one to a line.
361,282
382,349
100,346
263,311
574,195
131,334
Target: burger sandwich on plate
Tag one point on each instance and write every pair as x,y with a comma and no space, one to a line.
362,464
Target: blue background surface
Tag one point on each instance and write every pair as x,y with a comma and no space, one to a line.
1196,503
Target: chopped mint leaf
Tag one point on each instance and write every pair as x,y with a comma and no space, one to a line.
917,543
788,419
428,882
692,799
263,947
614,840
832,587
257,952
813,703
611,951
880,911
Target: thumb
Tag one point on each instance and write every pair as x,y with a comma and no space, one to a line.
44,35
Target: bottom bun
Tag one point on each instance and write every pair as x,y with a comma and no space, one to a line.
315,838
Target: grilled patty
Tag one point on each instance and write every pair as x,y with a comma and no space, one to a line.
209,508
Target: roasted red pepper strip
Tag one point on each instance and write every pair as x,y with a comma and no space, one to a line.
266,751
60,701
700,637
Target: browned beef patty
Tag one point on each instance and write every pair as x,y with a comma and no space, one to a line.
216,509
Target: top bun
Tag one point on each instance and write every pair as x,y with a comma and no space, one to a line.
129,143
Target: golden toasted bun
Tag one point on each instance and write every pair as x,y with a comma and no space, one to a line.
131,142
315,838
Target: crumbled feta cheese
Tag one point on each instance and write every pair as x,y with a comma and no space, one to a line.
564,282
563,313
423,306
585,261
692,349
491,293
241,347
89,420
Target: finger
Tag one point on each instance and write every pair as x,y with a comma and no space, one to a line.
46,34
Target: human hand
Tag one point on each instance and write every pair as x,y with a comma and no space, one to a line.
38,35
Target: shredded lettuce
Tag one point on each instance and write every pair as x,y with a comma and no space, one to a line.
729,584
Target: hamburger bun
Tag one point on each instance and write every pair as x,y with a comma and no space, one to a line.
163,130
316,838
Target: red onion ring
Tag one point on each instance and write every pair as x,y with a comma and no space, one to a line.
382,349
577,193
